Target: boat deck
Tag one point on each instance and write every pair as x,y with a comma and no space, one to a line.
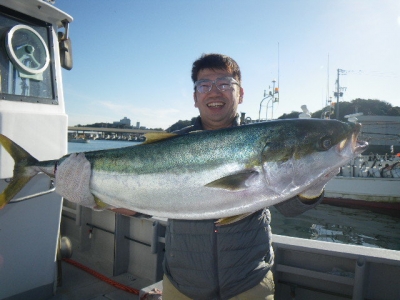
303,267
129,250
77,284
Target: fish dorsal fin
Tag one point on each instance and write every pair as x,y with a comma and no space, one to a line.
230,220
153,137
235,182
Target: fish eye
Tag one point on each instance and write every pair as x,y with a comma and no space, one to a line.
325,143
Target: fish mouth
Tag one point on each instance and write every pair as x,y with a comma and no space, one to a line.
358,146
352,146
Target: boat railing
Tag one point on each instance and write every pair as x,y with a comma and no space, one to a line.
372,166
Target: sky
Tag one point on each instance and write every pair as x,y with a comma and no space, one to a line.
133,58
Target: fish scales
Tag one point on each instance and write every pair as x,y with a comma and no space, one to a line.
188,152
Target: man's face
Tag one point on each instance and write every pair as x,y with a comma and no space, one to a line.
217,108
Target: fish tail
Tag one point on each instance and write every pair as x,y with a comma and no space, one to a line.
23,160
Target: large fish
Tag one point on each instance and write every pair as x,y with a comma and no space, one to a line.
208,174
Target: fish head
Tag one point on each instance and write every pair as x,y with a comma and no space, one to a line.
298,152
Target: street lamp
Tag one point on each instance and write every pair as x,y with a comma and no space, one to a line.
271,96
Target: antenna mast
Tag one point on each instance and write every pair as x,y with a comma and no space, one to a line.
275,90
327,86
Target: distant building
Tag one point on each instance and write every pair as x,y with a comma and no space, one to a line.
381,131
125,122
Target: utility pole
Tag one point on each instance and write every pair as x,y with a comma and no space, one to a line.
338,93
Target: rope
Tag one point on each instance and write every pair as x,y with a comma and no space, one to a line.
102,277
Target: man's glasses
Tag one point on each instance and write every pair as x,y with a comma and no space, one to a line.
223,84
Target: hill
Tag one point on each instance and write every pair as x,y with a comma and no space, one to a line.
367,107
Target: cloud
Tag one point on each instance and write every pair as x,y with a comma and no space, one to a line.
149,117
134,110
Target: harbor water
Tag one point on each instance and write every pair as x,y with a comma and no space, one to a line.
356,226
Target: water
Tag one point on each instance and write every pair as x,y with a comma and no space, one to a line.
355,226
98,145
325,222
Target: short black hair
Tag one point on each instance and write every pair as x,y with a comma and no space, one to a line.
216,61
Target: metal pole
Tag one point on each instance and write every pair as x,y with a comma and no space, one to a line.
337,95
259,112
273,99
271,95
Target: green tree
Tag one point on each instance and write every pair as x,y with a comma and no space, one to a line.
292,115
181,124
367,107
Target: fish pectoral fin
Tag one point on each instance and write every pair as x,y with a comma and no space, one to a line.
233,219
235,182
153,137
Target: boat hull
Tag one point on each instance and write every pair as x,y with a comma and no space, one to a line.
78,141
379,193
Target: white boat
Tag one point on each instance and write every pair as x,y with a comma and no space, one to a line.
369,182
128,250
78,141
32,113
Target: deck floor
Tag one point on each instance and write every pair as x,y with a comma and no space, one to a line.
77,284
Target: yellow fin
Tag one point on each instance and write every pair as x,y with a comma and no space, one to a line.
235,182
15,185
231,220
23,160
153,137
100,205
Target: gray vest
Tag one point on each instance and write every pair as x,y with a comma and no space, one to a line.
204,261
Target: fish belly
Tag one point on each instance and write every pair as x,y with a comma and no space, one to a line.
181,196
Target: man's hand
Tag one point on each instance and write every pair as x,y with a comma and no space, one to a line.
316,190
72,180
124,211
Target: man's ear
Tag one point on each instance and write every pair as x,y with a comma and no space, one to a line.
195,99
241,94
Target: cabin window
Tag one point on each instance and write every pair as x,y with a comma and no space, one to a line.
26,64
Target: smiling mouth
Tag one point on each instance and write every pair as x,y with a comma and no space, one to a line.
215,104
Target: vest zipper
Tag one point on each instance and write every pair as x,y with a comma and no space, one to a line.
215,246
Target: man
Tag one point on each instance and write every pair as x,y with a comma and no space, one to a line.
205,261
202,260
